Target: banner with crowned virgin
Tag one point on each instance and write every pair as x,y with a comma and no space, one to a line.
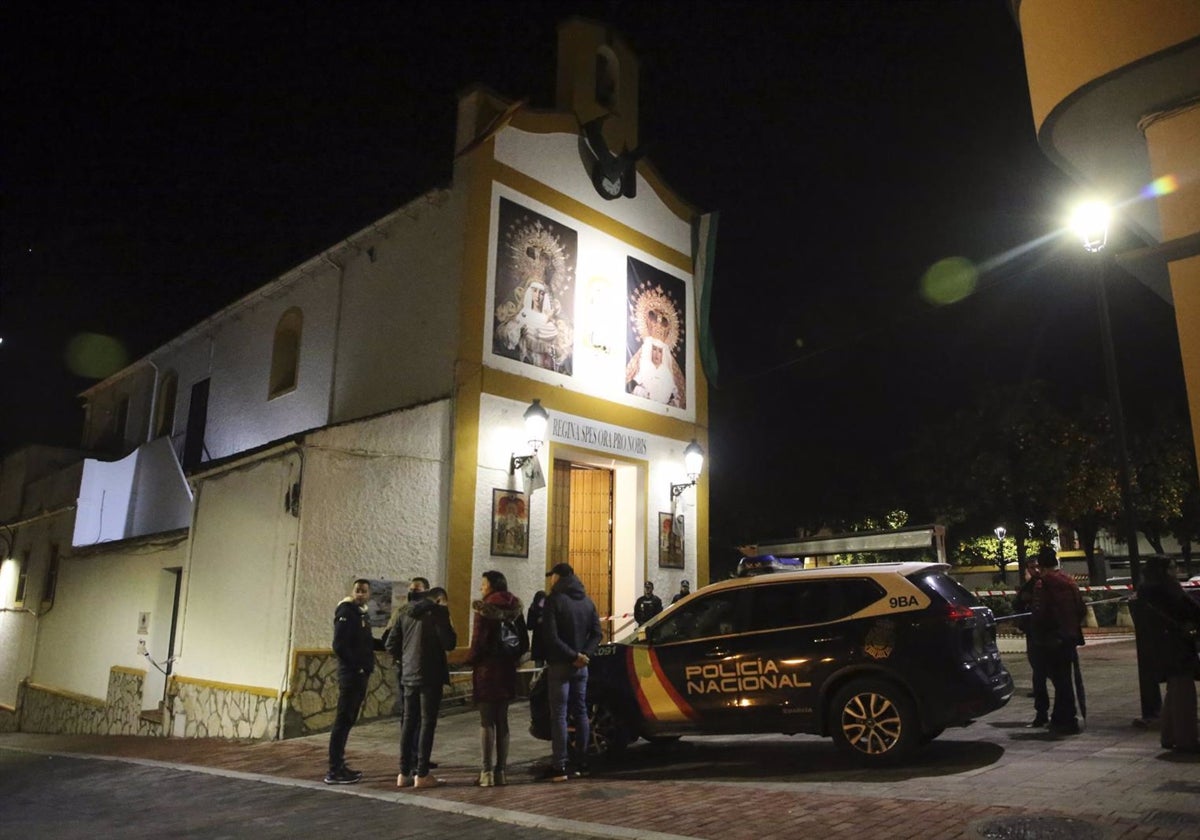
656,358
534,289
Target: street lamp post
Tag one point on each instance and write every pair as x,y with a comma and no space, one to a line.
1000,532
1091,224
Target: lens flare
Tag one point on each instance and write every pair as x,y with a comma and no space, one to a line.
1165,185
949,281
94,356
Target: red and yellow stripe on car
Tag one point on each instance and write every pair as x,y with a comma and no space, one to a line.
656,696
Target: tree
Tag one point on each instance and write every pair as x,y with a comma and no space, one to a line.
1164,466
1090,495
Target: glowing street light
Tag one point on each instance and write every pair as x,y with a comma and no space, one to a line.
1090,222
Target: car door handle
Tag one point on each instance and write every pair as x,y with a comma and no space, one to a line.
717,653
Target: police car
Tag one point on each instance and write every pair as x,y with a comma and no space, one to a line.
880,657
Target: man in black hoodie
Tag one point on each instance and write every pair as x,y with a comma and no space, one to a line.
419,641
571,632
354,647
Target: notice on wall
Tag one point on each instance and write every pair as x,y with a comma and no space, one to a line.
143,624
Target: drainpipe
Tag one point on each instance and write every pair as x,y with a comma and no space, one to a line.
284,698
337,335
153,403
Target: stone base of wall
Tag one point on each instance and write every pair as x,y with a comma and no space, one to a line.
9,722
201,710
314,693
54,711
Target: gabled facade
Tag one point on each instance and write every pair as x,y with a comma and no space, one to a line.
361,416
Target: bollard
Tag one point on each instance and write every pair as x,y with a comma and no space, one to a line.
1123,617
1089,620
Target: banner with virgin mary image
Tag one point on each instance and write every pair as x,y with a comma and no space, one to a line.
656,364
534,289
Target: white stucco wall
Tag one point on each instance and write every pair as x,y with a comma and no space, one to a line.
240,416
239,581
638,497
398,334
601,308
143,493
374,504
93,625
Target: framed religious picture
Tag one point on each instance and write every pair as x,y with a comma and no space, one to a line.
670,541
510,523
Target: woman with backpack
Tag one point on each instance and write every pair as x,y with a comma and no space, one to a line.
498,641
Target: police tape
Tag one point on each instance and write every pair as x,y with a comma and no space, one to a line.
1104,587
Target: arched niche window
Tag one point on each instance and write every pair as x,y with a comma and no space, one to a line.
285,353
164,409
608,78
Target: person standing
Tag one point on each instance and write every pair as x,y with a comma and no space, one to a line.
648,606
493,673
685,589
1169,620
1056,624
537,646
417,588
354,646
420,639
1033,652
571,628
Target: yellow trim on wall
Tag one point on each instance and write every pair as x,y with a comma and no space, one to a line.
133,672
256,690
468,378
4,707
511,386
70,695
559,122
551,197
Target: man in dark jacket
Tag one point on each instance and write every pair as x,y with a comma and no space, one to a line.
1058,613
417,588
418,643
354,647
648,606
1170,620
571,630
1033,651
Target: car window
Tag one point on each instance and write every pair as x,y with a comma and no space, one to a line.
798,603
718,614
946,586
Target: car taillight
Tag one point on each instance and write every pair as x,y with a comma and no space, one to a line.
955,612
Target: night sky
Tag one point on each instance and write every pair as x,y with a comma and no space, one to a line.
162,160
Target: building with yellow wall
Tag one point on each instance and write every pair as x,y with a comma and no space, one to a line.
1115,89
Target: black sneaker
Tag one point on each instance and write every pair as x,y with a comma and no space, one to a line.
1037,723
1071,728
342,776
554,774
580,769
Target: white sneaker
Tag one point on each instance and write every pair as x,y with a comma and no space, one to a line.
428,781
485,779
405,781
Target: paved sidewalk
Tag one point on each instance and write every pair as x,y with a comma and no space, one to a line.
1112,781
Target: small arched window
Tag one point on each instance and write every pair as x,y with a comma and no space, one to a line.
164,409
285,353
608,78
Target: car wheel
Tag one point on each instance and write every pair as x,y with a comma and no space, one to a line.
875,721
609,735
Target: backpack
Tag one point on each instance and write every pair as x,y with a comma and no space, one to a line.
511,639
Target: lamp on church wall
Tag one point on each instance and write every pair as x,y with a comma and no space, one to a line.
693,462
536,419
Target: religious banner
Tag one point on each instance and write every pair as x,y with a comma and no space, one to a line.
656,358
534,289
670,541
510,523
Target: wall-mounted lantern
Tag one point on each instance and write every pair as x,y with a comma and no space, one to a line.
536,420
693,462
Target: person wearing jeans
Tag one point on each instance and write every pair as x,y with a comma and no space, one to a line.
419,642
571,630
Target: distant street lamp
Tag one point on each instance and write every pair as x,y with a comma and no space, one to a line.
1090,221
1000,532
